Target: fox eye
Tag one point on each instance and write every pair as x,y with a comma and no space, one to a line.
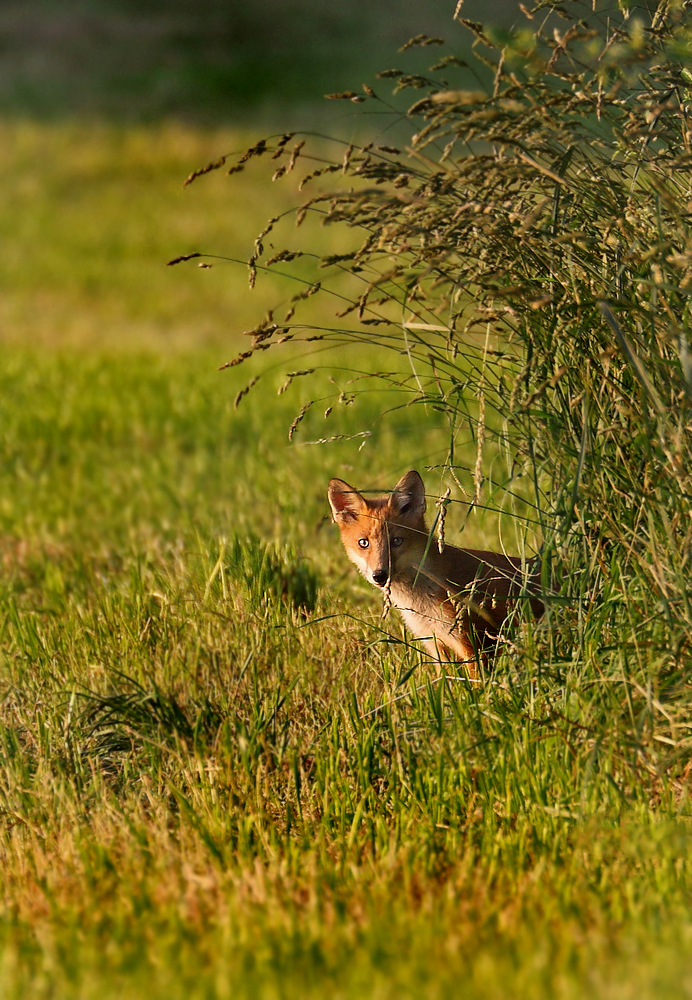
397,540
363,542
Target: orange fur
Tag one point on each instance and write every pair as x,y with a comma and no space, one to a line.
456,600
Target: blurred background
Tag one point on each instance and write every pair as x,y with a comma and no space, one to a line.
217,61
107,105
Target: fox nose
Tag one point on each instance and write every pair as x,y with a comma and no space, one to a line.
380,577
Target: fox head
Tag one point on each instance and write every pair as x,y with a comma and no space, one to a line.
382,537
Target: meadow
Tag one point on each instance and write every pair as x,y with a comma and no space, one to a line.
222,772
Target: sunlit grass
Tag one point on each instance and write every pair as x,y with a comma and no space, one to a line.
90,216
195,798
212,782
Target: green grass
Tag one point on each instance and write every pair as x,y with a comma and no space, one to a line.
208,787
91,215
195,801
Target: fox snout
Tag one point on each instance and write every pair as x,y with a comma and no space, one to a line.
380,576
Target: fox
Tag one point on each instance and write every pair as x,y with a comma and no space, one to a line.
455,600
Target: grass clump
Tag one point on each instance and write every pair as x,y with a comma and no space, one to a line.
526,251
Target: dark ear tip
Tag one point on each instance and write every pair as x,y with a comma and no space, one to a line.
409,493
411,478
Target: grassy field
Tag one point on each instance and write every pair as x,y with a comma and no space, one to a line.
92,214
216,777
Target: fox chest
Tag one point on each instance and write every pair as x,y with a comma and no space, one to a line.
422,609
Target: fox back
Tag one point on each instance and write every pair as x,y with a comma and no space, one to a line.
456,600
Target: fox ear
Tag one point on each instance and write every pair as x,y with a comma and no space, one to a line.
346,503
409,494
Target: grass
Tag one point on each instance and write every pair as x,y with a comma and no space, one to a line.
215,778
195,799
92,215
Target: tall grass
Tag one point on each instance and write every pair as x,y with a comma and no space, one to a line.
526,250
